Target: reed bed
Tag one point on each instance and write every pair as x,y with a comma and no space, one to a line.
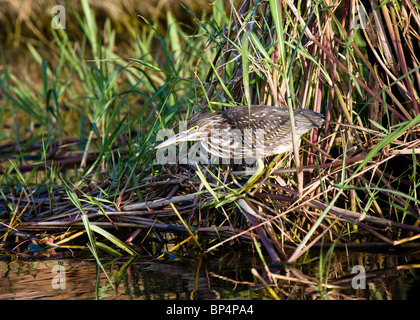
354,182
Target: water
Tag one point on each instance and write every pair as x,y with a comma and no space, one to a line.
140,278
229,276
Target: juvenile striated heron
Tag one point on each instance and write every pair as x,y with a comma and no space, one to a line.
247,132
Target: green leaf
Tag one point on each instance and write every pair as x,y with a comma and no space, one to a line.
113,239
245,68
377,125
206,184
106,248
258,45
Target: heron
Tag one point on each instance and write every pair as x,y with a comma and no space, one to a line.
240,132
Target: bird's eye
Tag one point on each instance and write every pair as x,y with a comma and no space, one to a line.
192,128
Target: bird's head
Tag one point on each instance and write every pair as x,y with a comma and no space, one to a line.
198,128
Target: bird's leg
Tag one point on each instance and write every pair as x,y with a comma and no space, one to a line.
231,168
270,168
254,177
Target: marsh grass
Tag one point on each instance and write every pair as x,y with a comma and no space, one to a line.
96,109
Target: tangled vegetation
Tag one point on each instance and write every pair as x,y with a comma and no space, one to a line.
78,146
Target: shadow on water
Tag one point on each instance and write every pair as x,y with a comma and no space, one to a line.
343,275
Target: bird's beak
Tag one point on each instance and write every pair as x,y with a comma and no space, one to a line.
172,140
187,135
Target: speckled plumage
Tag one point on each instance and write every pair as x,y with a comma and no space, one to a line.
258,131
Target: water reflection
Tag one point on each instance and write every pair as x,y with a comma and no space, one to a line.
387,276
132,279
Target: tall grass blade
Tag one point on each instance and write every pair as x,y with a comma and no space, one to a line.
113,239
